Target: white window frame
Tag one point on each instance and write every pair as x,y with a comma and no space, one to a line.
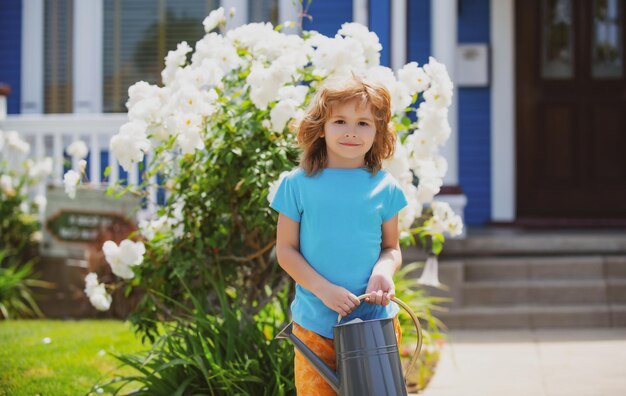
32,57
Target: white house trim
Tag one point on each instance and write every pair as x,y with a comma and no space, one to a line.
241,12
360,12
32,57
444,43
289,11
398,34
503,111
87,57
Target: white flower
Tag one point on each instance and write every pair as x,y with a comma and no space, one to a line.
174,60
454,226
40,169
82,165
41,202
71,180
124,256
189,141
281,113
130,143
14,142
369,41
428,187
441,87
398,165
139,91
188,128
274,186
98,297
6,185
91,281
46,340
400,95
339,56
433,120
214,56
78,149
215,18
430,275
266,82
36,237
296,94
413,77
444,219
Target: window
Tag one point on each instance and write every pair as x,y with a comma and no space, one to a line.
137,36
558,39
607,54
58,56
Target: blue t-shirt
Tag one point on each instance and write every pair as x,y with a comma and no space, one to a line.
341,212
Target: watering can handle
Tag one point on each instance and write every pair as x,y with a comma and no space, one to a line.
418,327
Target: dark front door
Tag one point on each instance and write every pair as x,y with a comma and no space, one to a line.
571,110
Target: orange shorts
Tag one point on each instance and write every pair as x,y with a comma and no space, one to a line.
308,381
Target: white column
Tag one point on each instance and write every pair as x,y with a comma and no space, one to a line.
241,12
87,59
398,34
359,12
444,43
288,10
503,111
32,57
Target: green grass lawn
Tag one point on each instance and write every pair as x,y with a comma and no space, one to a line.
76,358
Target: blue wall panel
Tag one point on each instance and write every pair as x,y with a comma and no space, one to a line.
418,31
11,50
328,15
475,121
379,17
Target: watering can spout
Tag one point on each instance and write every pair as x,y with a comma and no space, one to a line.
329,375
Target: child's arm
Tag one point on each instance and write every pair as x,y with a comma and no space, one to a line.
291,260
380,285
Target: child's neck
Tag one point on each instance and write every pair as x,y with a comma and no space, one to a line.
345,164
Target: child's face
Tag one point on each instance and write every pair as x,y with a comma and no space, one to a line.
349,133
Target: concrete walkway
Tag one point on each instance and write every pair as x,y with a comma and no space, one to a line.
544,362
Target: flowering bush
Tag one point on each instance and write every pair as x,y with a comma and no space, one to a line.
217,133
19,225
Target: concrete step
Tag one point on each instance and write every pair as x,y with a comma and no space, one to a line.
535,316
541,267
553,291
524,242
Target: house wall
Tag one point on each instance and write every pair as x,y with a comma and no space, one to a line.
474,121
11,51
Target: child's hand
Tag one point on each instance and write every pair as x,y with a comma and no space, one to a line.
339,299
381,289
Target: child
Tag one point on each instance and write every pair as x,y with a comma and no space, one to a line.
338,225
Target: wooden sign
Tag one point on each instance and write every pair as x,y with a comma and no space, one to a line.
70,224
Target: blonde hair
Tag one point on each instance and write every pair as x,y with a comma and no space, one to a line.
314,156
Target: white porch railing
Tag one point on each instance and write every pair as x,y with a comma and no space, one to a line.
50,134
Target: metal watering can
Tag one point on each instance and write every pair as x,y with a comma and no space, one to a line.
368,361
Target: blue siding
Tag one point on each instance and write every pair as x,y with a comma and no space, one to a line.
418,31
474,121
379,23
328,16
11,50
